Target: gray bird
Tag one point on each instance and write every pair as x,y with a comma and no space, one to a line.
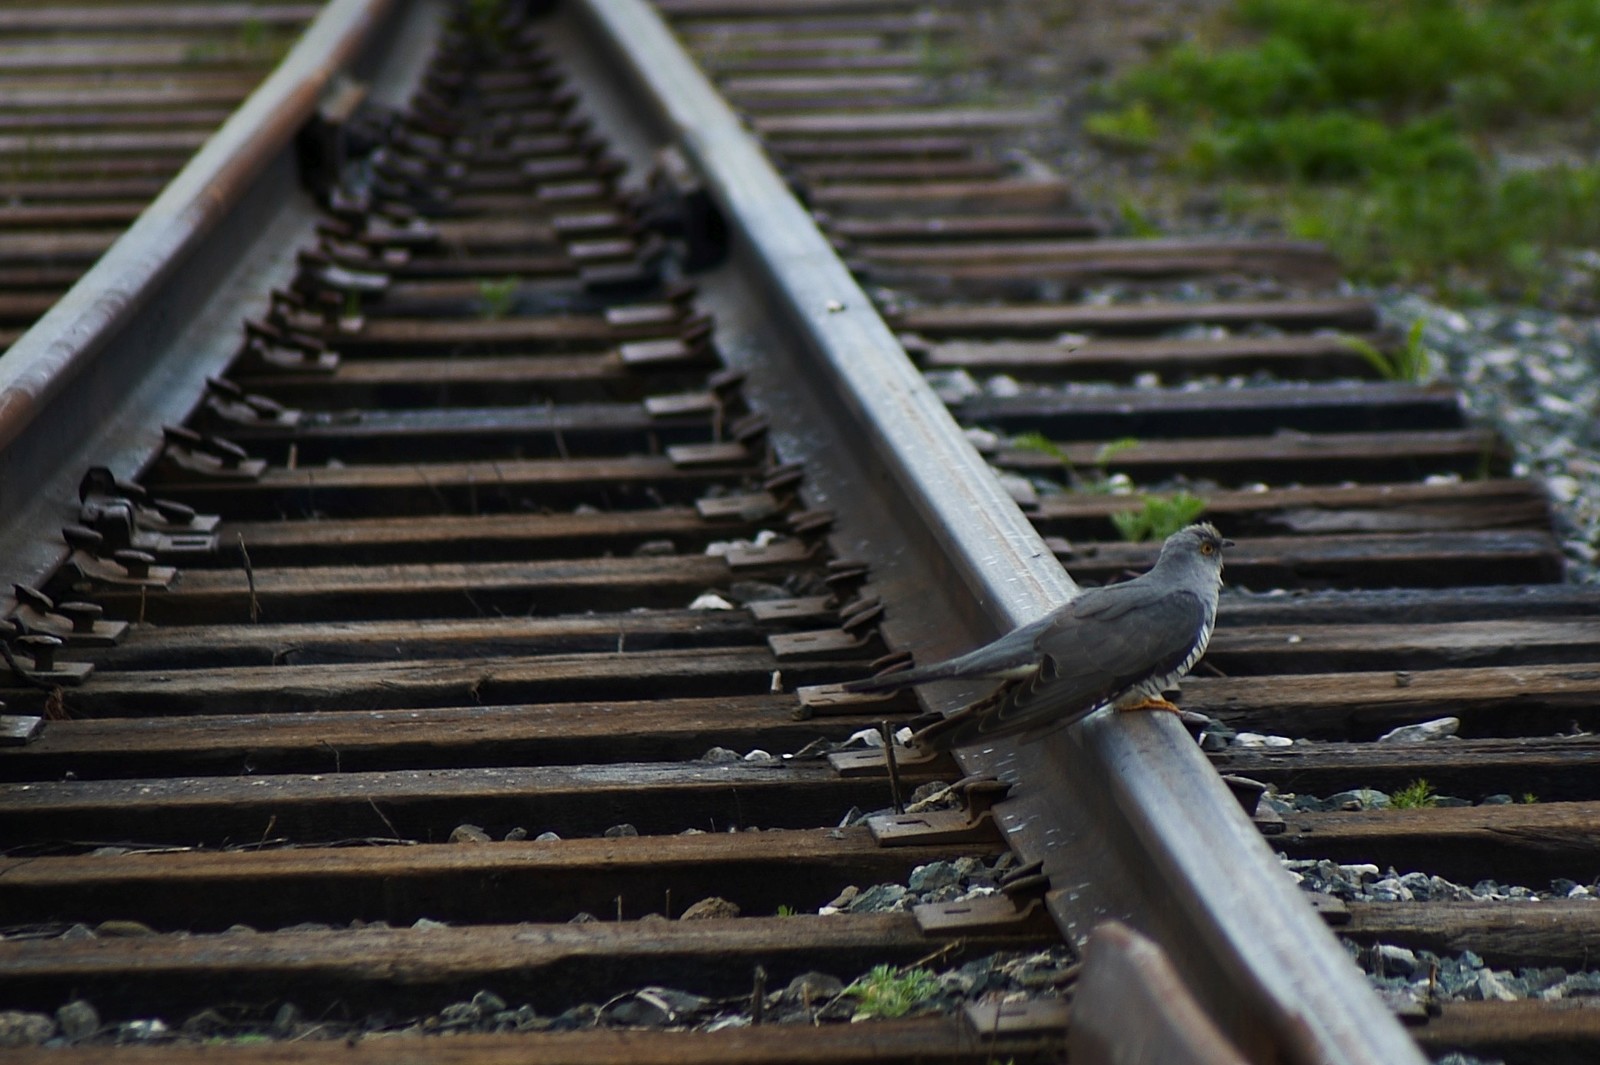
1120,646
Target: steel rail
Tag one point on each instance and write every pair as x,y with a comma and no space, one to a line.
1127,816
118,355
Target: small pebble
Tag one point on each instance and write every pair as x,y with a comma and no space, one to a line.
122,929
1359,799
20,1028
933,876
77,1020
841,901
1423,732
143,1030
880,898
757,591
710,601
459,1015
1019,488
288,1019
983,440
952,386
811,989
1397,960
708,909
1258,740
1490,988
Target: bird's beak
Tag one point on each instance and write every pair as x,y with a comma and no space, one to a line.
1227,543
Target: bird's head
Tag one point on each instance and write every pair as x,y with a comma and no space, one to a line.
1199,544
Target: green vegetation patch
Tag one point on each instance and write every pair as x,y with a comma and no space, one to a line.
1417,795
888,992
1409,362
1158,517
1381,117
497,298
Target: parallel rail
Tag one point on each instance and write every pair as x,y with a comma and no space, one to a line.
1420,591
484,457
99,108
1267,960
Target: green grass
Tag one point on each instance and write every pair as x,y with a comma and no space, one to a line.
1040,444
38,160
1158,517
1132,127
1135,219
1369,124
497,297
941,56
1111,449
1410,362
888,992
253,42
1416,795
252,34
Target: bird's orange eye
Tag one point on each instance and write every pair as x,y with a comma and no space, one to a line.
1208,548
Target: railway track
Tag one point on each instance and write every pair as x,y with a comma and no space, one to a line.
100,105
467,461
1409,559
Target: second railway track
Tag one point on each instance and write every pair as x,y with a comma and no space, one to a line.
519,534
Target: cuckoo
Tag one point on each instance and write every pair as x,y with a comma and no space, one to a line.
1120,646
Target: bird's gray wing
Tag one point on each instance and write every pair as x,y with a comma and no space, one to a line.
1010,655
1094,652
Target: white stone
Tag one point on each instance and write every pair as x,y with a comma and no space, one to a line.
1491,989
710,601
1423,732
952,386
1003,385
871,737
1397,959
982,439
1019,488
1563,488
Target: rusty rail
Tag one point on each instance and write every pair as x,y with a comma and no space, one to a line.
1251,950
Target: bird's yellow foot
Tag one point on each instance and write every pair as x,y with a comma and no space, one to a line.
1156,703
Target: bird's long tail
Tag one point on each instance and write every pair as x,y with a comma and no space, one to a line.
934,733
905,678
